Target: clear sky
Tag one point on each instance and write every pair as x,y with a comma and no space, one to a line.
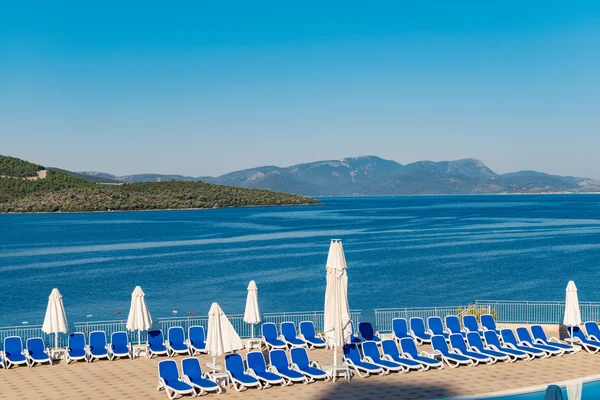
207,87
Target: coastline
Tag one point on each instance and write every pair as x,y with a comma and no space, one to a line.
162,209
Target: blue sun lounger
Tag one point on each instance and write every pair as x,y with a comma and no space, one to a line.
540,337
476,345
400,329
120,346
193,376
366,332
310,336
525,339
436,327
176,342
457,341
492,341
589,345
157,346
453,325
592,330
301,363
355,362
391,353
14,353
371,355
418,331
489,323
36,352
453,360
169,380
509,339
271,338
409,350
471,325
289,335
257,367
281,366
237,374
98,347
196,340
76,348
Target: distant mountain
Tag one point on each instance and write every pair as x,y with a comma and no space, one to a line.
370,175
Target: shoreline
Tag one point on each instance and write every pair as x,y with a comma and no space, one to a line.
161,209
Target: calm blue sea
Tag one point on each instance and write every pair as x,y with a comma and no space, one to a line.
401,252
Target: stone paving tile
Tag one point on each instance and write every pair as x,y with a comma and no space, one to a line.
133,379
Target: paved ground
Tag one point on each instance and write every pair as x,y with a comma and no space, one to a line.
133,379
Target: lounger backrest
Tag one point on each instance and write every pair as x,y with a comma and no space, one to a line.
470,323
458,342
366,330
97,340
191,367
438,342
435,325
269,331
76,341
523,335
13,345
408,346
307,329
234,364
300,357
417,325
36,346
491,338
256,361
389,347
400,327
576,332
167,369
351,352
279,359
538,332
453,324
155,338
487,321
196,335
370,349
176,335
475,340
120,339
288,330
508,336
591,327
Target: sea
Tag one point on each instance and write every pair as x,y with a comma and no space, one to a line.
417,251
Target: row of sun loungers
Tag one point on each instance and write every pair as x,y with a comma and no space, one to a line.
289,337
253,373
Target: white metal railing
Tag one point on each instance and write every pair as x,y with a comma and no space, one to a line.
537,312
109,327
384,316
30,331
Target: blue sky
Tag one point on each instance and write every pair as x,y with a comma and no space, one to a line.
204,88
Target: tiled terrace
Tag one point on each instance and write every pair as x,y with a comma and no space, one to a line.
132,379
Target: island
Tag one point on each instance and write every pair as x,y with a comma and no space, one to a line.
27,187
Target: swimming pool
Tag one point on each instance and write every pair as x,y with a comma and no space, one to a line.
572,390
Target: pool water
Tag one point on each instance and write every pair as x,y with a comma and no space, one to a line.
576,391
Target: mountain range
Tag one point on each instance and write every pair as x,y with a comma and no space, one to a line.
371,175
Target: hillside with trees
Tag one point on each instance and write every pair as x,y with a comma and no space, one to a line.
60,191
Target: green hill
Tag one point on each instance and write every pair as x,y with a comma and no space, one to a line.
21,190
